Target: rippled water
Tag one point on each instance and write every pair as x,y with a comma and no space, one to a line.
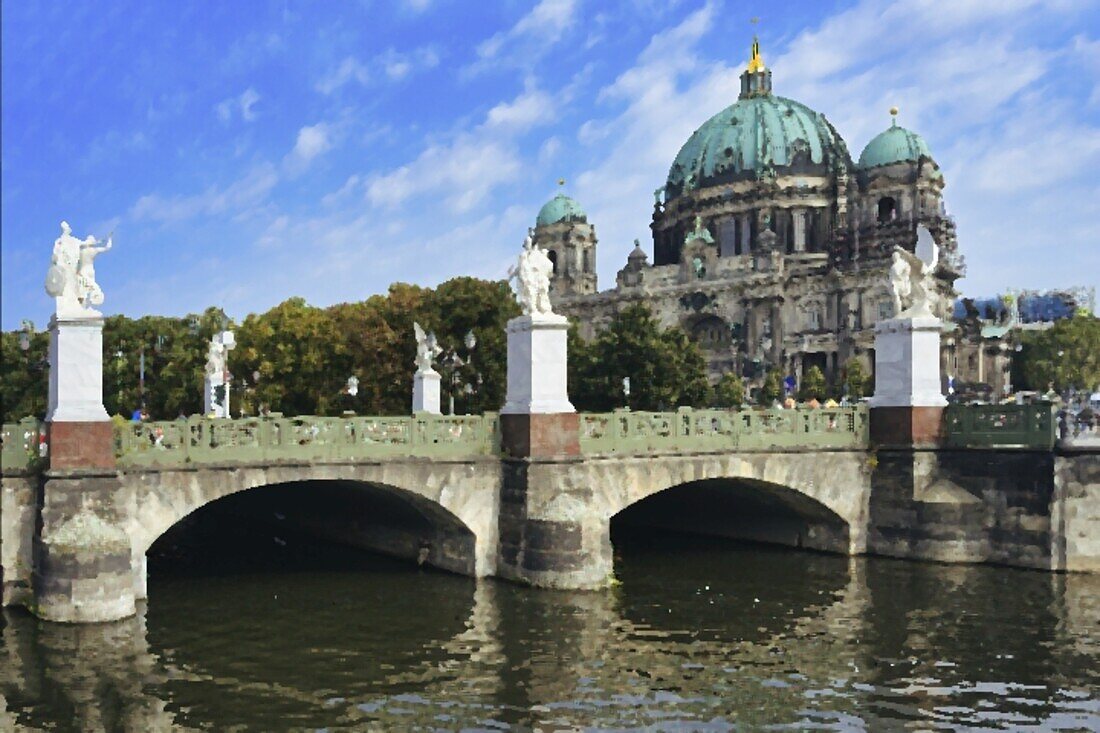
700,635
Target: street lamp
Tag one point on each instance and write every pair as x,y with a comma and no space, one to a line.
456,362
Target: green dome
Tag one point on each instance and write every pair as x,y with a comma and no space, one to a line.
757,135
895,145
560,208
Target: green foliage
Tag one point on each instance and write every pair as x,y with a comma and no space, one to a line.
302,355
813,385
25,379
730,391
772,389
855,379
666,369
1067,354
460,306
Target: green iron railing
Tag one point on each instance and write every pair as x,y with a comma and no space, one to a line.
688,430
19,445
304,438
1000,426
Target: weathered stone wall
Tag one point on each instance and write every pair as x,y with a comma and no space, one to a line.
556,514
964,506
1075,511
18,496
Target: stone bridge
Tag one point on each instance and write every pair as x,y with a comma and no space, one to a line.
461,493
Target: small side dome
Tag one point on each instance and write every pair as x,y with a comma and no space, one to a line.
558,209
637,254
894,145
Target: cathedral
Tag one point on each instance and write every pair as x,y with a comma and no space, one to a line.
771,245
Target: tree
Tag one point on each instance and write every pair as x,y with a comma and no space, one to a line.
730,391
24,378
772,389
813,385
665,367
301,359
468,305
855,379
1067,355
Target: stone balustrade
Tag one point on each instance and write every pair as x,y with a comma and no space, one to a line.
688,430
308,438
200,440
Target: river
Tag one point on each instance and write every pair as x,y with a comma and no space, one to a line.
698,634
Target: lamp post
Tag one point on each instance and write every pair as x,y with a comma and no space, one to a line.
456,362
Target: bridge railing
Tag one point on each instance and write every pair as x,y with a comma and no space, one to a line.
309,438
19,445
688,430
1000,426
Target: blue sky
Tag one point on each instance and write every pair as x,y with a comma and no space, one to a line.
245,152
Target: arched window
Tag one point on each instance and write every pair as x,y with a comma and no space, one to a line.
711,333
587,261
553,255
887,209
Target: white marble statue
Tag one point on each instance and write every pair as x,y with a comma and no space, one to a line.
532,275
912,282
217,355
900,287
71,277
90,292
427,348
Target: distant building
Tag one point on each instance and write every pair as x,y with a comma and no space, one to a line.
771,244
981,340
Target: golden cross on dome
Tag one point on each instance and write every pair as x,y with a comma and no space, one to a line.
561,181
756,61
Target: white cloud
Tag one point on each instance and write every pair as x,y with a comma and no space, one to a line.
241,105
462,172
238,198
391,64
530,37
350,69
530,108
313,140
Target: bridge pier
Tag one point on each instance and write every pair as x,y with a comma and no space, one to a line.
83,566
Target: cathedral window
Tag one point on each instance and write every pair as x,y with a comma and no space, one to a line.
884,308
553,255
887,209
587,261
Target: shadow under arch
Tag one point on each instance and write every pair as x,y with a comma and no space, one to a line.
739,508
371,516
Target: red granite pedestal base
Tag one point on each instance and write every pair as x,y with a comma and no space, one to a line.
81,445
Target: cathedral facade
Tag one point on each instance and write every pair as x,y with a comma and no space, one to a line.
771,244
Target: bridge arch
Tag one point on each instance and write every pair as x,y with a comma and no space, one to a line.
456,498
826,491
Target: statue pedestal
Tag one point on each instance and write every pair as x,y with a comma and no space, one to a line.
537,419
537,366
210,403
907,408
426,392
80,432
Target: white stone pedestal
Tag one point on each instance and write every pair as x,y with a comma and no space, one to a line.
426,392
537,366
907,363
210,405
76,371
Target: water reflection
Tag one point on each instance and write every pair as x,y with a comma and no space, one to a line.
707,634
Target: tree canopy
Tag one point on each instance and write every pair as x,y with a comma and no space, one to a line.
1067,354
666,369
